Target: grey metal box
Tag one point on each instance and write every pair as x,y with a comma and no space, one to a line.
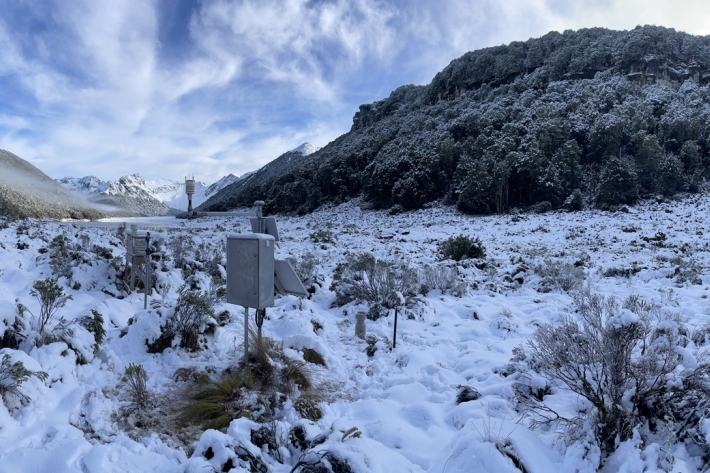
250,270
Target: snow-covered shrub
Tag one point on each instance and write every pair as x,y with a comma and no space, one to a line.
211,258
324,237
615,272
444,278
575,201
64,255
626,361
51,298
462,247
13,328
321,462
134,379
307,406
306,267
377,311
557,274
180,246
686,271
365,278
12,375
95,325
193,314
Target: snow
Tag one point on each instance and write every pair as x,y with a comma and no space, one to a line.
402,400
305,149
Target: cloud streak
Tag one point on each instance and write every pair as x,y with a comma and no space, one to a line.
170,88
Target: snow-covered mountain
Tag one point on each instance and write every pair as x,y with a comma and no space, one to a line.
139,192
306,149
166,191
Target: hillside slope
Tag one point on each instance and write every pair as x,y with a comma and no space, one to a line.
591,117
25,191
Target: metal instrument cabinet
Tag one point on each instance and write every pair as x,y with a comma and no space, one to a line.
250,270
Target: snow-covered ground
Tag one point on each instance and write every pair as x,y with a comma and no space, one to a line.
402,400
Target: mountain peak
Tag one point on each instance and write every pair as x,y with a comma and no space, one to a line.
305,149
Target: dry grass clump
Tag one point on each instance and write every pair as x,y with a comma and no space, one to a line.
215,403
312,356
254,391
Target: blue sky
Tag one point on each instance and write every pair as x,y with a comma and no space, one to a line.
169,88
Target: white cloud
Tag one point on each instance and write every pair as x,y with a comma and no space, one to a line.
256,78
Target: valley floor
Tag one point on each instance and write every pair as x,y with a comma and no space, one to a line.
403,400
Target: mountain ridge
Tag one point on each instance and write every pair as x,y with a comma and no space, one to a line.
25,191
592,117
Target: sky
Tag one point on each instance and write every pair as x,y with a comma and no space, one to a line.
171,88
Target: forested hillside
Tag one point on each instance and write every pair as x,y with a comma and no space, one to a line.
583,118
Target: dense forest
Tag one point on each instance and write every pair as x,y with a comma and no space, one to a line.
582,118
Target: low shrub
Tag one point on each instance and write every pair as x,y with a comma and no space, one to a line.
686,271
307,406
134,379
323,237
192,316
95,325
14,328
462,247
12,375
557,274
51,298
365,278
444,278
626,362
306,267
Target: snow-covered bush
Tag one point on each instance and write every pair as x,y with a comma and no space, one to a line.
462,247
13,328
51,298
180,246
687,271
134,379
306,267
365,278
627,362
64,255
324,237
12,375
193,314
95,325
557,274
444,278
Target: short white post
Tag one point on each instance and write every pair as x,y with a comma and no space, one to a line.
360,328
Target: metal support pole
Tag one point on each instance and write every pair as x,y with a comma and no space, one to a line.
146,282
394,337
259,204
246,337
